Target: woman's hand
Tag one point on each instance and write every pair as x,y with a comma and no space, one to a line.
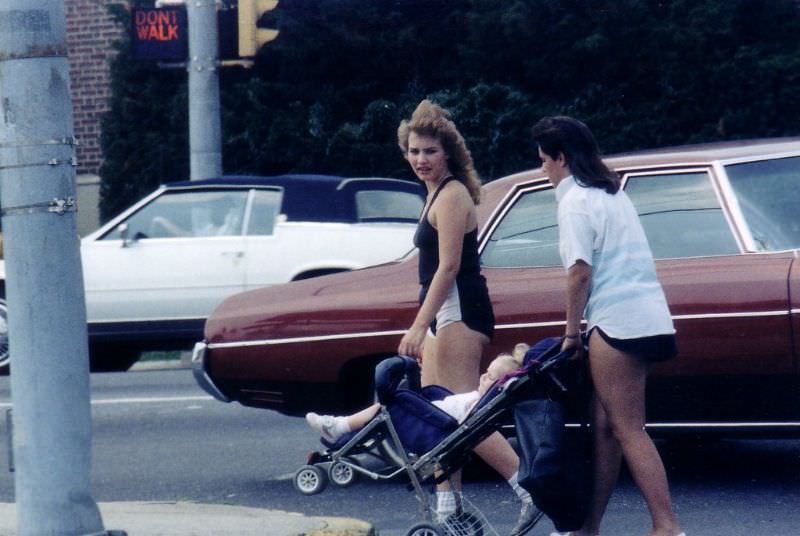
571,343
413,342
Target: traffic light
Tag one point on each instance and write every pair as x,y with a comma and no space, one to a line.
251,37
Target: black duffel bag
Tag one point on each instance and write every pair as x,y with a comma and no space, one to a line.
556,461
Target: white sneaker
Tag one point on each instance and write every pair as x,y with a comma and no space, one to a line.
324,425
441,516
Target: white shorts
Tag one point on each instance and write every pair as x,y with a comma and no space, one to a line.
449,312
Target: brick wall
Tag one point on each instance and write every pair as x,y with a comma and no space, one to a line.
90,34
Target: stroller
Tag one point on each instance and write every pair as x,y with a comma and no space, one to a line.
411,436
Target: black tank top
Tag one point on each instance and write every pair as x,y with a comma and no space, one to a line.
426,239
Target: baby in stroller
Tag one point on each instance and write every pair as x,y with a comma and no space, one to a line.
333,428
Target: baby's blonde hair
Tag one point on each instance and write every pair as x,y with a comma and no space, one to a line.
511,362
520,349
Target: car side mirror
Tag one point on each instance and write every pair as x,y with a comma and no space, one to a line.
122,229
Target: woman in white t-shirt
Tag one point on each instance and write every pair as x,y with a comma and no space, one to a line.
611,282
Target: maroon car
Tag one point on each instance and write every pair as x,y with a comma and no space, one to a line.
723,224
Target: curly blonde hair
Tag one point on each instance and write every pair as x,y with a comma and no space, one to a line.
432,120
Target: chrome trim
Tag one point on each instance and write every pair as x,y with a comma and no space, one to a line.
731,315
532,325
296,340
739,222
722,424
400,332
759,157
348,180
223,186
750,426
674,317
199,353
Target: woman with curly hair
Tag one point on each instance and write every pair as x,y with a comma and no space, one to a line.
455,320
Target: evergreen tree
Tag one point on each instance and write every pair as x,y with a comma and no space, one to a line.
145,133
328,94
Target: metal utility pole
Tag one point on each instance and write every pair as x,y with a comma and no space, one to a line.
205,138
47,311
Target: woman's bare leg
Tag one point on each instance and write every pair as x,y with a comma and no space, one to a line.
607,456
619,382
452,359
455,359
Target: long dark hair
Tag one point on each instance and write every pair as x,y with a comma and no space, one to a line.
570,137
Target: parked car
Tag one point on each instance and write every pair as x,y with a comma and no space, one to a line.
154,273
722,223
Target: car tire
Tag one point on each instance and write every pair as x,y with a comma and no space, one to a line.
310,480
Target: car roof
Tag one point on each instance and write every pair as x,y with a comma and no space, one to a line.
706,153
685,155
307,197
291,181
697,154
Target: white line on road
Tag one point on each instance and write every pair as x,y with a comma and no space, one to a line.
142,400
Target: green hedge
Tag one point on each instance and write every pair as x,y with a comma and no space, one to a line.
327,95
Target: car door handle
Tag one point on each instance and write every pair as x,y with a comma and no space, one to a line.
234,254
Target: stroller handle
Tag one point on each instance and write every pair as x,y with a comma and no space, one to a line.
391,371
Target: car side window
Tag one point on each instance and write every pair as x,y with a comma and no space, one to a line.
181,214
767,194
264,212
387,205
527,235
681,215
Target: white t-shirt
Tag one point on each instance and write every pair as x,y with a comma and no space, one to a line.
458,406
626,300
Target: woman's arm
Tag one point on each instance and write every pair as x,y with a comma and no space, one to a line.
579,280
450,216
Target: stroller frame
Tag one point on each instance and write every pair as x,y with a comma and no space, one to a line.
378,433
444,459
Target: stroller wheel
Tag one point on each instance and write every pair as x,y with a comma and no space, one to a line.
310,480
341,474
424,529
463,524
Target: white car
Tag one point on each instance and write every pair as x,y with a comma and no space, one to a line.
155,272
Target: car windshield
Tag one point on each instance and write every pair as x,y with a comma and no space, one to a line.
190,214
388,206
768,192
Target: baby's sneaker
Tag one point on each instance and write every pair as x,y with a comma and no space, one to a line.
324,425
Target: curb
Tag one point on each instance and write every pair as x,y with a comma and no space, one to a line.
342,526
185,518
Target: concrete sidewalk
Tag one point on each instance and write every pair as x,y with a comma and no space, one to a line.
196,519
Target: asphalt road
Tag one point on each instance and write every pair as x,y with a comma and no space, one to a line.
156,436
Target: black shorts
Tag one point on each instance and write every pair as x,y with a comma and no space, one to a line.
651,349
